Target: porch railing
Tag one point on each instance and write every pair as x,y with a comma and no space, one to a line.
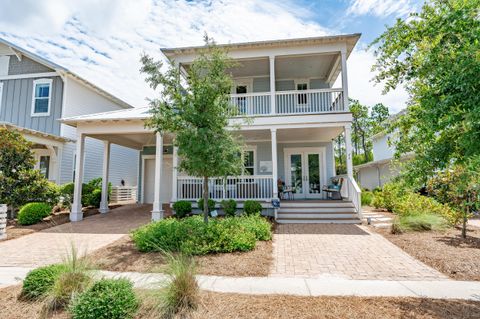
123,193
259,187
309,101
352,191
289,102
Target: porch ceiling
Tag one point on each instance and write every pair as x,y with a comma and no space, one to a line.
131,140
318,134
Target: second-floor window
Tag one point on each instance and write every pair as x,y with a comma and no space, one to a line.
301,98
42,92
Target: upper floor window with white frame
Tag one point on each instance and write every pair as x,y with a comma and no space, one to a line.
41,97
301,85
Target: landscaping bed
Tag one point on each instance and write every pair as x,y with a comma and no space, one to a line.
226,305
15,230
444,251
122,255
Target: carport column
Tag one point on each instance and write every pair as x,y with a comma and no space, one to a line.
348,147
174,174
344,80
274,162
272,85
76,213
157,212
106,162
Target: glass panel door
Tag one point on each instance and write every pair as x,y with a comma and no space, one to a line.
313,173
296,173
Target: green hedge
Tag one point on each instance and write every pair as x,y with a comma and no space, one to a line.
91,192
211,204
367,198
229,206
251,207
106,299
193,236
33,213
182,208
40,280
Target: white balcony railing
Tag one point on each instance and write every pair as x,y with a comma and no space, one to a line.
259,187
290,102
309,101
123,193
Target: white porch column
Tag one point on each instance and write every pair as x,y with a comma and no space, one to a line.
106,163
76,213
348,148
274,162
58,169
272,84
174,174
157,212
344,80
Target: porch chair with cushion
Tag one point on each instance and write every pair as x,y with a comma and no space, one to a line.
334,190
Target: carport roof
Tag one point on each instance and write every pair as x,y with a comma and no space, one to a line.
138,113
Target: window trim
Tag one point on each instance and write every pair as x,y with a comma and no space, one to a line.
254,150
35,83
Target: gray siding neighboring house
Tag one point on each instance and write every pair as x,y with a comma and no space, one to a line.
17,80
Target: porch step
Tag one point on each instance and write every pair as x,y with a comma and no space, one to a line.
298,215
315,204
318,209
319,221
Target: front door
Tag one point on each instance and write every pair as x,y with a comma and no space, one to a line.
305,171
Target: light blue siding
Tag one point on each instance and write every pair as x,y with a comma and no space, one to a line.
261,84
285,85
16,106
318,84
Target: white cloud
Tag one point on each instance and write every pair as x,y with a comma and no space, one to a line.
102,40
380,8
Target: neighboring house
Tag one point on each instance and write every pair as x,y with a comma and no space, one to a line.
286,87
383,167
35,94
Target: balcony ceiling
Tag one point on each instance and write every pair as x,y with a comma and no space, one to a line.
318,134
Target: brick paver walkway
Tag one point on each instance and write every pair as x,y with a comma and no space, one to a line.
51,245
348,251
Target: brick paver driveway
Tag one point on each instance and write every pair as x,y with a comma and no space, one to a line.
341,250
51,245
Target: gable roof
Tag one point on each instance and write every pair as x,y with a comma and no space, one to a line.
19,51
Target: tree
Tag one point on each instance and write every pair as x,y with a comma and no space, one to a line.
198,114
379,114
19,182
435,54
360,128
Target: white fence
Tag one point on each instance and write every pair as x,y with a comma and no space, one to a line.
259,187
123,194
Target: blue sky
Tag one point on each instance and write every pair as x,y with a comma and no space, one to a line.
102,40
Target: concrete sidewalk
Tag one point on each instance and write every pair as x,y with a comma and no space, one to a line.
320,286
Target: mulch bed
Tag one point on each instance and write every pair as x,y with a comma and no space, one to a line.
14,230
123,256
446,251
222,305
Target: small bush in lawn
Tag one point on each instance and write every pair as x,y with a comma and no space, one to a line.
106,299
257,225
422,222
182,291
377,200
229,206
33,213
211,204
182,208
367,198
40,281
251,207
94,198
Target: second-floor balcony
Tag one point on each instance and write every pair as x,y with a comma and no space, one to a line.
289,102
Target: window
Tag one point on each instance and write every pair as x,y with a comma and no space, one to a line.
44,166
42,91
249,162
301,86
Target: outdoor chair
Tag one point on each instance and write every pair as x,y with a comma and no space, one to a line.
334,190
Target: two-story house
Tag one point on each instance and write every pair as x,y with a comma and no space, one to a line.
35,94
287,89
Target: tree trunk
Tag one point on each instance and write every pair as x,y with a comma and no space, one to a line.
464,225
364,147
205,199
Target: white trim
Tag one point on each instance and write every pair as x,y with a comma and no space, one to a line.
321,151
35,83
1,95
148,157
28,76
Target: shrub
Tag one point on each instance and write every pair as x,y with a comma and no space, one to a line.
377,200
182,208
193,236
251,207
40,280
229,206
211,204
367,198
106,299
93,199
182,291
91,193
414,204
422,222
33,213
391,194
